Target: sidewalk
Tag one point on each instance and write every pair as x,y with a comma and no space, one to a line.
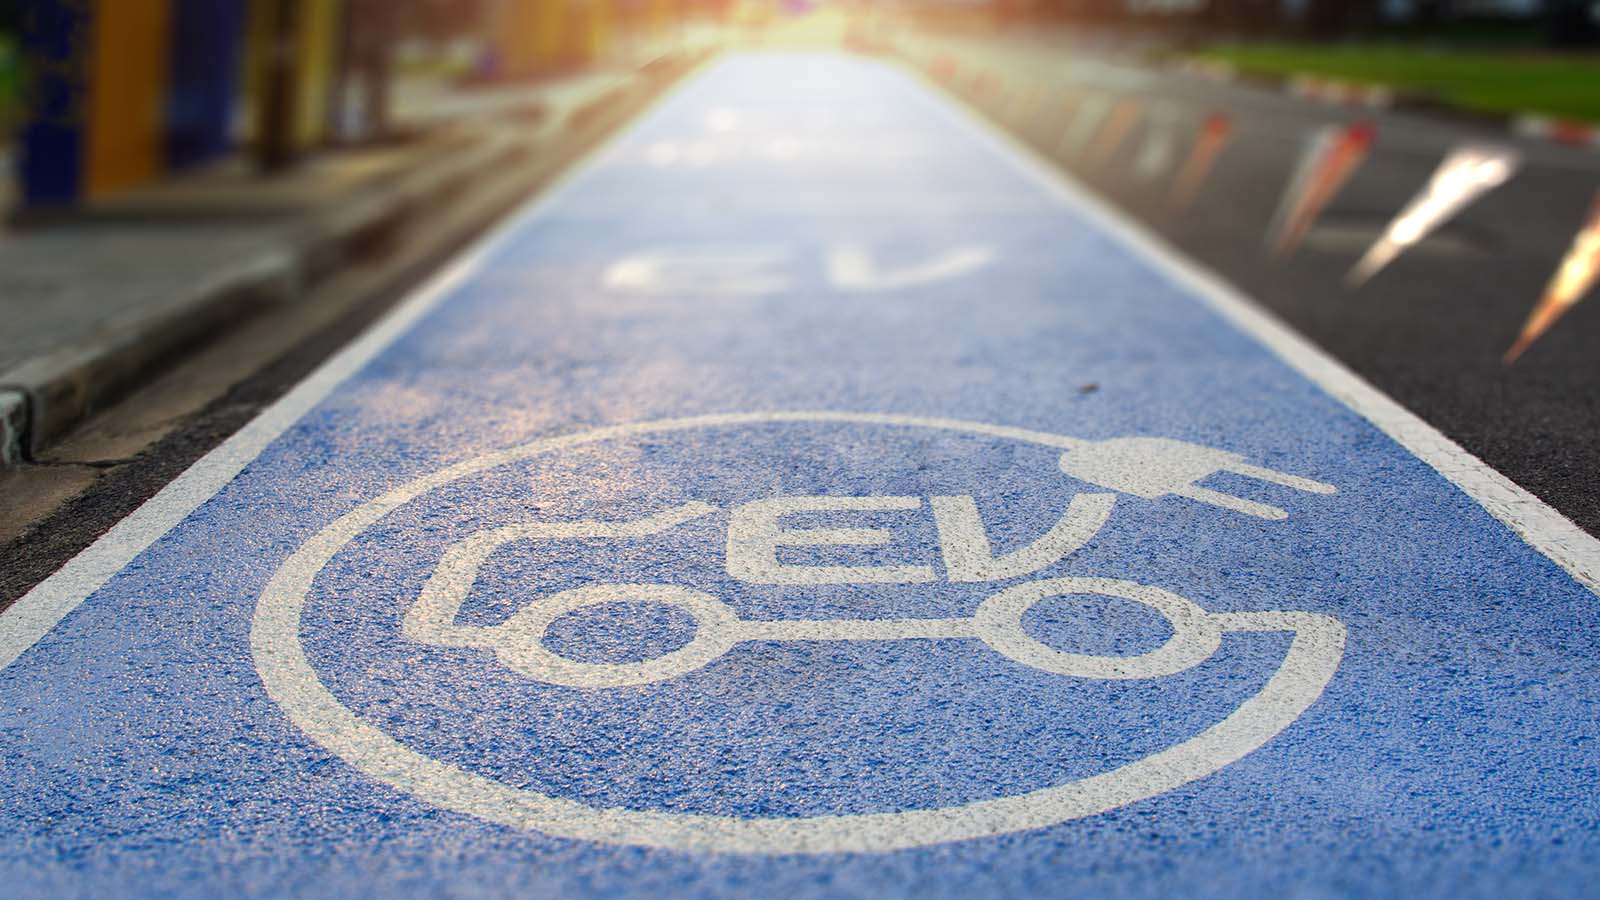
91,308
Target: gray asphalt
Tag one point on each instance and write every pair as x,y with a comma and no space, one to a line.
1431,329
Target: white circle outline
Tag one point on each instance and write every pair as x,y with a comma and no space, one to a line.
292,683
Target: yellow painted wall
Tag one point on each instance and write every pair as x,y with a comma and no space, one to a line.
320,28
257,44
549,20
127,87
519,34
596,39
319,48
660,16
544,35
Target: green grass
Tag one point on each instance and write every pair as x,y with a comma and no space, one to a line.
1486,80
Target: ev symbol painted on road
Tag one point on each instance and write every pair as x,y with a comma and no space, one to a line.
762,550
758,271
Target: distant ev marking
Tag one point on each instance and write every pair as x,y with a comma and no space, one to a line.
762,270
1143,467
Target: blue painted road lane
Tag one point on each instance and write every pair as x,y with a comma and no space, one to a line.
811,497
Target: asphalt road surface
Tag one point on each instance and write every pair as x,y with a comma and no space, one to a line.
813,496
1430,330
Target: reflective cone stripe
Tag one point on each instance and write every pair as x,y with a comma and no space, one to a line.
1214,135
1115,130
1577,275
1333,157
1085,123
1160,146
1061,112
1466,174
1027,100
984,84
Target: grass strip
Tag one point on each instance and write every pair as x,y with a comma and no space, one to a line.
1493,81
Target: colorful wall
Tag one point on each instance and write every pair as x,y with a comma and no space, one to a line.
123,92
539,36
204,78
93,117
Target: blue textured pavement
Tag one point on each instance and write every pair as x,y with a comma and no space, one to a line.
804,499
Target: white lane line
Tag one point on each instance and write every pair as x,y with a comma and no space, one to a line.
1541,527
39,610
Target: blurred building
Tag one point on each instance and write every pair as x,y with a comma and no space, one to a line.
124,92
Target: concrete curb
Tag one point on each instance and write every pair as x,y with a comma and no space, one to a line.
1342,93
62,387
1306,86
13,424
45,397
1570,132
